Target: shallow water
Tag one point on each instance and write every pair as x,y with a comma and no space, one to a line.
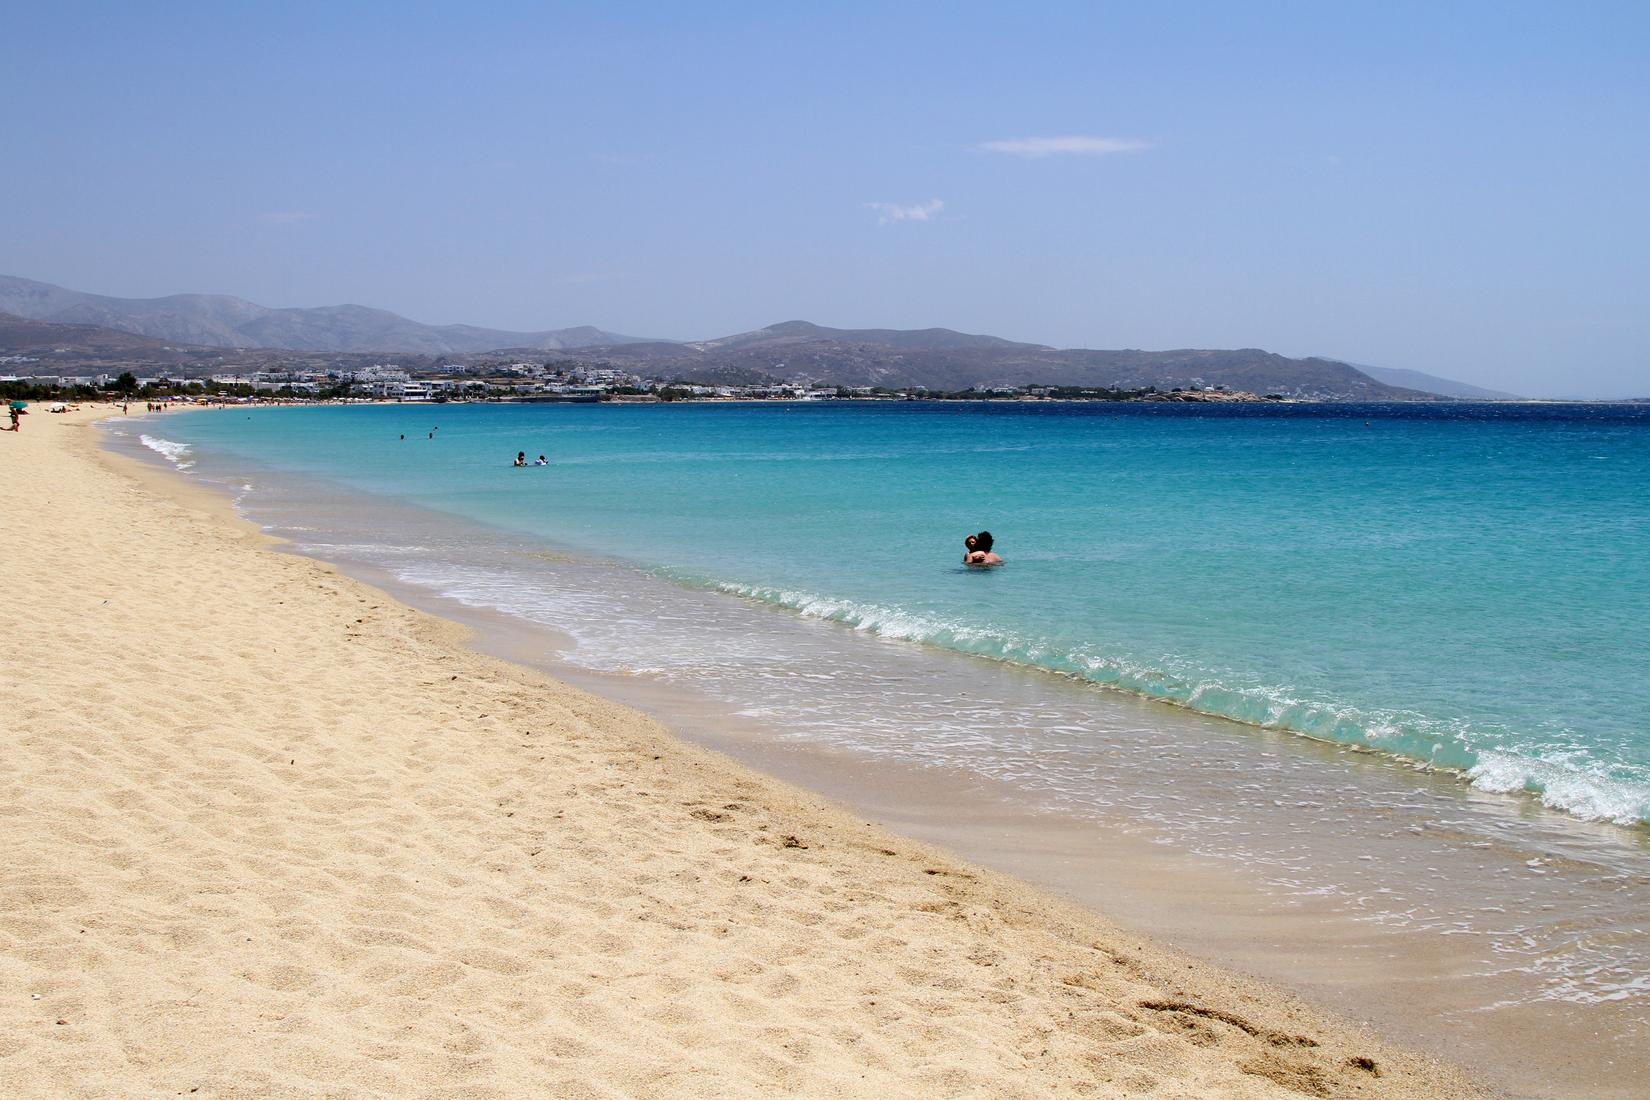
1467,586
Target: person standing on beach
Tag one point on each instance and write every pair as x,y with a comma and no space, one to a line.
16,419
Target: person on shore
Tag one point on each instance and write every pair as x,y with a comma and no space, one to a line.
16,419
521,458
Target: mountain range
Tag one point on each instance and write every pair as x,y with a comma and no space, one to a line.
1431,383
24,336
218,320
195,326
941,359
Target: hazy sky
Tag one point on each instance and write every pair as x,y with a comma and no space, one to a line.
1453,187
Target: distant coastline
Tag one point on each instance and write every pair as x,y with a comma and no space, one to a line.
49,331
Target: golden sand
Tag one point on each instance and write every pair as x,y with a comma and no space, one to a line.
265,832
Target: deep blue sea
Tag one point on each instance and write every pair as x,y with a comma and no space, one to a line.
1462,585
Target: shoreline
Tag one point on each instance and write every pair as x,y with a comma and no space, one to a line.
1423,988
389,882
1428,987
1577,788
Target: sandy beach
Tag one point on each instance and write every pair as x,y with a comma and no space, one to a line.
266,832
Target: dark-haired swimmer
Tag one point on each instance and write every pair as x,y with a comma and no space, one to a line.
979,550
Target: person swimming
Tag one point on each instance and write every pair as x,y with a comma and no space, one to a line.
979,550
542,461
521,458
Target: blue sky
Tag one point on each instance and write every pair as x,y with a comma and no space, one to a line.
1458,188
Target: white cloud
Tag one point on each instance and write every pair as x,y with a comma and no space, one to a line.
285,217
889,212
1058,146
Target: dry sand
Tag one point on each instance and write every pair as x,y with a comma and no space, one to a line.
265,832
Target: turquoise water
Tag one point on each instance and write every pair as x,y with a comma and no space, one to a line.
1466,586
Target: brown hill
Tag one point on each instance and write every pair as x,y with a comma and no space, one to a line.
58,348
222,321
22,336
940,359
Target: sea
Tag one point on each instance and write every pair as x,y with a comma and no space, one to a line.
1386,660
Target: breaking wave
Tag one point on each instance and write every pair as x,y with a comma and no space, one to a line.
173,451
1587,792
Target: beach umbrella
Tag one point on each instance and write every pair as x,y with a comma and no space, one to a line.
19,404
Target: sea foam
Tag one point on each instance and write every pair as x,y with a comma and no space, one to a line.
1427,742
173,451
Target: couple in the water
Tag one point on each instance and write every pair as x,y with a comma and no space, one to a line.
979,550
